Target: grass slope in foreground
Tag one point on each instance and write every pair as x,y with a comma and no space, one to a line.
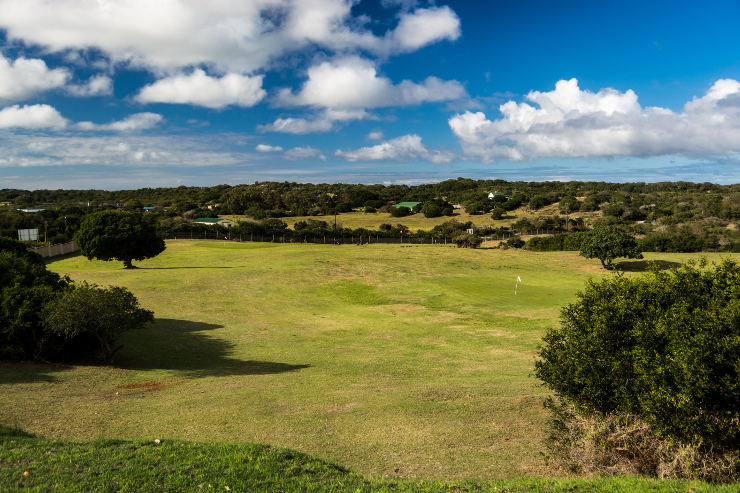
32,463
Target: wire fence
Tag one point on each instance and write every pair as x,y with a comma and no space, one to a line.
340,240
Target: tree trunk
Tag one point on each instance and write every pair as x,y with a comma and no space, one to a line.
127,264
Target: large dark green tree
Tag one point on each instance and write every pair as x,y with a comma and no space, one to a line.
124,236
607,243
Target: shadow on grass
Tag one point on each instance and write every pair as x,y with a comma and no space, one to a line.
644,265
189,267
184,345
29,372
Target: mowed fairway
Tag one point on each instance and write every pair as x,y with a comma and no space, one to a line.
394,361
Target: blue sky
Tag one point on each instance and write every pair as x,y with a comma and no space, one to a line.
127,94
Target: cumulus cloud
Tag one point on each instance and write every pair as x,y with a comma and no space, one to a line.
100,85
24,77
353,82
231,35
398,149
374,135
570,122
36,116
425,26
267,148
133,123
200,89
307,152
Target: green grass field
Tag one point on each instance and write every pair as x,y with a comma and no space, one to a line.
394,361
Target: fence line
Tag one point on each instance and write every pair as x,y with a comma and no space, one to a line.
338,240
55,250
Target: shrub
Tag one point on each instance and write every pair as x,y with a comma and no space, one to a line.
466,240
90,319
400,211
436,208
662,349
515,242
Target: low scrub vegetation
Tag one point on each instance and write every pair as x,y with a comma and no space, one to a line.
646,377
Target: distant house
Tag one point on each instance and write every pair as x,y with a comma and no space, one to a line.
410,205
5,204
210,221
494,194
30,210
146,209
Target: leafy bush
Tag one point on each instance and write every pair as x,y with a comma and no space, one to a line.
558,242
436,208
515,242
91,318
466,240
663,348
400,211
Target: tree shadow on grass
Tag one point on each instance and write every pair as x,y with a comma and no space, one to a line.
188,267
645,265
29,372
184,345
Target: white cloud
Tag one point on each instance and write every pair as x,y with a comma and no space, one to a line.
398,149
24,77
297,126
36,116
230,35
100,85
304,153
133,123
267,148
569,122
353,82
425,26
199,89
374,135
20,150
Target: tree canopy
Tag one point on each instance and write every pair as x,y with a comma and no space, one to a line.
124,236
607,243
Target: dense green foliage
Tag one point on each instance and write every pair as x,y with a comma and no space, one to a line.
25,286
704,210
40,464
557,242
664,348
90,319
607,243
124,236
467,240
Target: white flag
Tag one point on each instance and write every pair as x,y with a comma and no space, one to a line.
519,279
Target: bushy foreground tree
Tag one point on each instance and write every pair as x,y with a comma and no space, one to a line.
25,286
91,319
607,243
124,236
44,316
663,350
